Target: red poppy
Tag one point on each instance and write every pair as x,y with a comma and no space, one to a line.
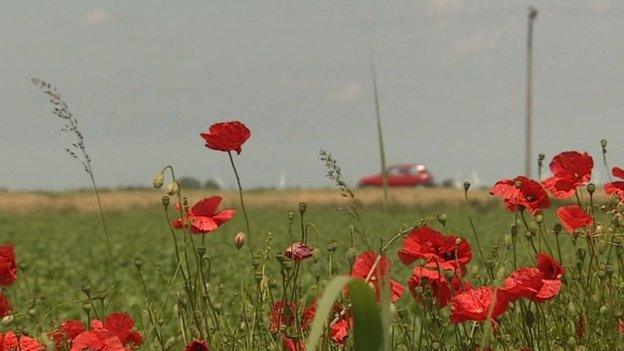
96,339
573,217
339,331
5,305
8,267
620,327
291,344
480,304
552,271
197,345
439,251
439,284
299,251
521,193
122,325
227,136
365,268
282,315
66,333
308,315
525,282
616,188
570,170
9,342
203,217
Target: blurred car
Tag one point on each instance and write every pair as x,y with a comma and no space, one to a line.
407,174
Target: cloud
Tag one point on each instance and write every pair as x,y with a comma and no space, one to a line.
476,42
96,17
443,8
347,93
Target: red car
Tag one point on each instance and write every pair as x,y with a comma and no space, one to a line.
407,174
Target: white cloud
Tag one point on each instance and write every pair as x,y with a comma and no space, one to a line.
476,42
443,8
347,93
96,17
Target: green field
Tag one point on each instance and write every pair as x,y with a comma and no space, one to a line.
61,251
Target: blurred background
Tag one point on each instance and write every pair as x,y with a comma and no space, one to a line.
145,79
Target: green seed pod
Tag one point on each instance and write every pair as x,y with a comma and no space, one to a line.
165,201
86,307
303,207
442,217
591,187
172,188
539,218
332,246
138,262
85,288
603,144
32,312
466,185
291,215
557,229
201,250
159,180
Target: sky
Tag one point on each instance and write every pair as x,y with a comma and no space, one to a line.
144,79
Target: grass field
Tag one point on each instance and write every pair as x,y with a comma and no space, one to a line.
62,248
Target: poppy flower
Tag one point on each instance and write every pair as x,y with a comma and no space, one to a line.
521,193
197,345
620,327
122,325
8,267
480,304
308,315
339,331
66,333
299,251
442,289
97,338
573,217
364,268
227,136
282,315
524,282
203,217
291,344
616,188
9,342
570,170
438,250
552,271
5,305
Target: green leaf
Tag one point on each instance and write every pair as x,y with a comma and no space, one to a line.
367,328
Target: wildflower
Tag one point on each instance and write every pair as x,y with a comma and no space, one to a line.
616,188
442,289
66,333
525,282
339,331
116,333
570,169
226,136
282,315
521,193
203,217
197,345
8,267
5,305
121,324
440,251
365,268
9,342
299,251
573,217
552,271
485,303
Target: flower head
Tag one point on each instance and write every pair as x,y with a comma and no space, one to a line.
116,333
443,289
66,333
227,136
197,345
438,250
9,342
282,315
573,217
617,187
8,267
485,303
570,169
374,267
203,217
521,193
299,251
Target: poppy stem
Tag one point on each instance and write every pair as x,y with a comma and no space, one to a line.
242,201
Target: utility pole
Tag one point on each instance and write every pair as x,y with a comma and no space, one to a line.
529,93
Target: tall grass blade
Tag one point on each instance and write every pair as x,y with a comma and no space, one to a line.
382,151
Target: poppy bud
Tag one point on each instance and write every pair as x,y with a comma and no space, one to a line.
86,307
165,201
159,180
302,207
557,229
591,187
291,215
239,240
332,246
172,188
539,218
85,288
442,218
466,185
201,250
603,144
541,157
138,262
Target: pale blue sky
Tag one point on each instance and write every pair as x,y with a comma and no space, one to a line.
145,78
